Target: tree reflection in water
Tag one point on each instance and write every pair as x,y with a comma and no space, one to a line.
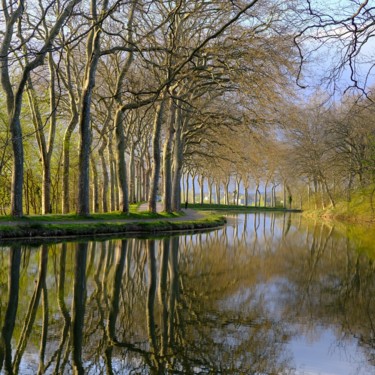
11,307
199,303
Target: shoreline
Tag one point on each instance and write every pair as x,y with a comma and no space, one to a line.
40,231
66,227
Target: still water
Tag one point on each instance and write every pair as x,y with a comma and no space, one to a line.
267,294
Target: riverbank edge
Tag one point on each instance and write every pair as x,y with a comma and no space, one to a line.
45,230
345,218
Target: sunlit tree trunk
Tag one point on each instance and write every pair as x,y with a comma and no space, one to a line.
67,138
177,164
226,184
238,184
257,195
105,182
210,185
156,156
95,186
122,178
167,160
187,187
121,163
112,174
265,193
217,185
132,186
93,55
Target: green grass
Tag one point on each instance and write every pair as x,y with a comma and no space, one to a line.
104,224
37,230
132,215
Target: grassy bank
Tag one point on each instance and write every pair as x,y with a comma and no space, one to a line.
116,223
133,214
360,208
48,226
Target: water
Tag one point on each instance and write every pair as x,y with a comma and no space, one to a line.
267,294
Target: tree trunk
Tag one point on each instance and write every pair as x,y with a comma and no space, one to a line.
187,188
66,141
122,199
218,192
138,180
193,186
322,195
17,169
210,182
44,152
201,185
265,194
330,196
93,49
177,164
66,163
132,197
256,195
238,190
95,187
121,163
227,200
112,171
105,183
167,160
46,188
156,156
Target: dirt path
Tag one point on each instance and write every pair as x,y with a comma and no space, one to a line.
189,213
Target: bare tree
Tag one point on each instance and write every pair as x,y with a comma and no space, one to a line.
14,94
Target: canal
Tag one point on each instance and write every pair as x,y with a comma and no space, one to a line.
267,294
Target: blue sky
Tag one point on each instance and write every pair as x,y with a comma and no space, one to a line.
330,54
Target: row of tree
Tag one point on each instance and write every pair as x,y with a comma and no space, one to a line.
101,98
134,81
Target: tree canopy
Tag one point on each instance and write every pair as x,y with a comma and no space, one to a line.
106,103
